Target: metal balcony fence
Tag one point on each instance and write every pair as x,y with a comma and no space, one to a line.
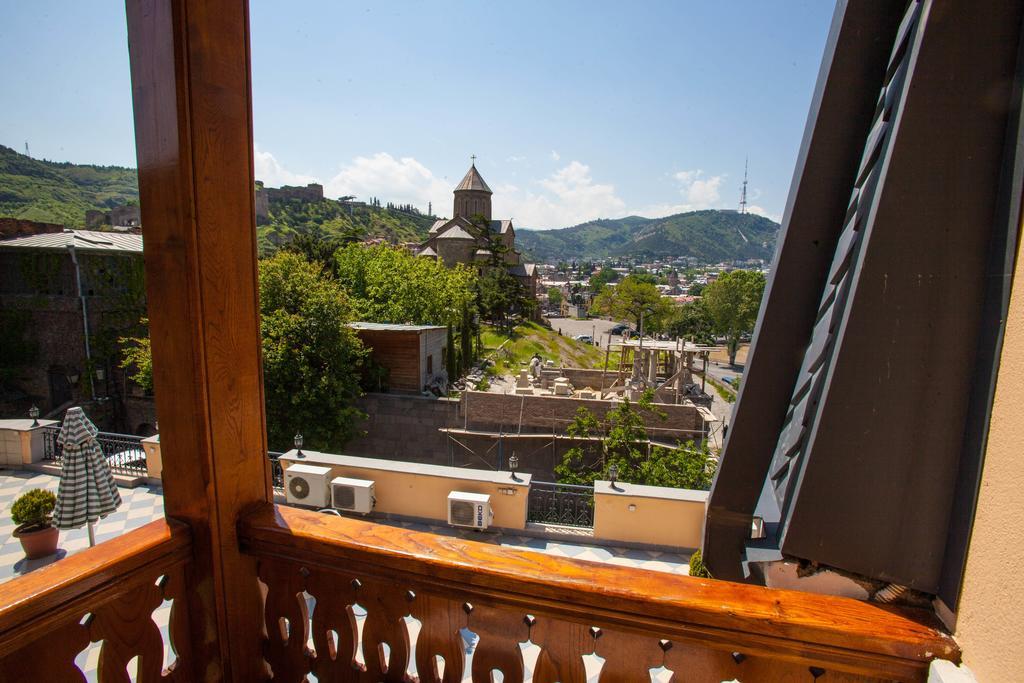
123,452
564,504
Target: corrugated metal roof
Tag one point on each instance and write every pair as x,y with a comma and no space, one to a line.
438,224
389,327
473,181
427,251
455,233
82,240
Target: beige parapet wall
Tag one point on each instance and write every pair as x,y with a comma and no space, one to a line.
20,442
154,458
421,491
651,515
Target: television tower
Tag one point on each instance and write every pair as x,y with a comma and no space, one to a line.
743,189
26,149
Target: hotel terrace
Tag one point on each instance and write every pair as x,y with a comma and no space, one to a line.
875,441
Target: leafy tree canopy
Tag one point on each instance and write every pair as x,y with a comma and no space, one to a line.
623,444
390,285
601,278
311,358
733,301
632,299
692,321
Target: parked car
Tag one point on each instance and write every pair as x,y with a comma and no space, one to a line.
585,338
620,330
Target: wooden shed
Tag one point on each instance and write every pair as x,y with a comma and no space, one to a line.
413,354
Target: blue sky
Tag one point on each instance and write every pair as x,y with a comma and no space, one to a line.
575,110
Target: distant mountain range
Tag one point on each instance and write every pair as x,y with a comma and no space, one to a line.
54,192
709,236
61,192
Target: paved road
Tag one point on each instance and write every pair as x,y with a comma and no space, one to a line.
596,327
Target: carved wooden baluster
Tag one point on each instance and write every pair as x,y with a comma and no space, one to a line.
500,633
286,620
630,657
563,645
178,627
386,606
334,626
127,630
441,620
49,659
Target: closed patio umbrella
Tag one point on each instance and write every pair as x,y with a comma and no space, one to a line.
87,490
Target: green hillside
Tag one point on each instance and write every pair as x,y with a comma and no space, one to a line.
709,236
61,192
54,192
336,221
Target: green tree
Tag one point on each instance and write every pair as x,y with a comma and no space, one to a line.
498,294
390,285
466,330
633,300
554,297
692,321
623,443
601,278
137,358
311,358
733,301
451,355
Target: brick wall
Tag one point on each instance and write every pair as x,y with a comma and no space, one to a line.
403,427
485,410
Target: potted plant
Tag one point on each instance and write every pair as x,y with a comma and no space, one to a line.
31,512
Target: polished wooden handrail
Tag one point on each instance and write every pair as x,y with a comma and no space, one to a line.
837,633
33,605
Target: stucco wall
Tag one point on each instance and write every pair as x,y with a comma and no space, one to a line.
991,614
421,491
659,516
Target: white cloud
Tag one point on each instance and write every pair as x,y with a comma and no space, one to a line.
555,156
515,159
699,191
273,174
760,211
400,180
567,197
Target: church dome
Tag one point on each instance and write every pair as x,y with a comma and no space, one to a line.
473,181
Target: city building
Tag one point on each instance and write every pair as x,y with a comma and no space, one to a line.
459,240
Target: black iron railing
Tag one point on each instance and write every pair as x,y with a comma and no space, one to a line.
277,473
565,504
123,452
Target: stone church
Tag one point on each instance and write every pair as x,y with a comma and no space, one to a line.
457,240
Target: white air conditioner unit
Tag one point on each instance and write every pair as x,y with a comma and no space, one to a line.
353,495
307,485
470,509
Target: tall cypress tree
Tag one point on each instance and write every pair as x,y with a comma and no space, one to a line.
454,372
466,337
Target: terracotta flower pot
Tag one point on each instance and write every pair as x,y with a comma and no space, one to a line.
39,543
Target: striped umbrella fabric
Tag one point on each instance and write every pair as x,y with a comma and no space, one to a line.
87,490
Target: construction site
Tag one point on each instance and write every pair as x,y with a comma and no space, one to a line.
530,417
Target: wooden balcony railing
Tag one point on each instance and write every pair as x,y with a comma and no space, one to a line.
350,600
104,594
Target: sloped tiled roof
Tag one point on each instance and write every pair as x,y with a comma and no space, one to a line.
81,240
501,226
473,181
455,233
427,251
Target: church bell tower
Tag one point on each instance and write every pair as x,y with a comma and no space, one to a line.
472,196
